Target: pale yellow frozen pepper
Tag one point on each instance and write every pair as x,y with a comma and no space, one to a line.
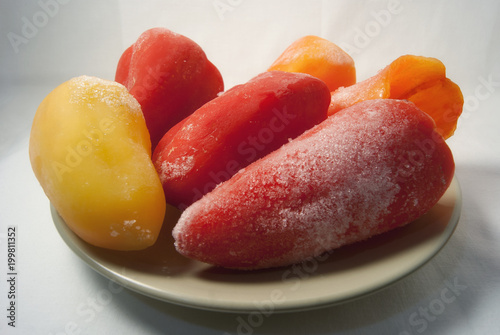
91,152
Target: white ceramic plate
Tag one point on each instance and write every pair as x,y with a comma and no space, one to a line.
347,273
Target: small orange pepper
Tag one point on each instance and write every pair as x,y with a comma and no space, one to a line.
320,58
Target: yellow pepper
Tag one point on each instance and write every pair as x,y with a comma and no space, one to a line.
91,152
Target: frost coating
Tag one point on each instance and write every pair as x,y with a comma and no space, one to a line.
88,90
177,169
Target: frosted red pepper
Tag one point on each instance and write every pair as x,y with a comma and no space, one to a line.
170,76
240,126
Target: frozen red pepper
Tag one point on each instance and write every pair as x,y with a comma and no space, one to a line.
240,126
367,169
170,76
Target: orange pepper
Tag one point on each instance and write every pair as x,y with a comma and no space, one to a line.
421,80
320,58
376,87
443,101
409,72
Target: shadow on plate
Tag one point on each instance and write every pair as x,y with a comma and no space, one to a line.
161,258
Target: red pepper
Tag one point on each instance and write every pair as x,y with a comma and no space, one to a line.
170,76
233,130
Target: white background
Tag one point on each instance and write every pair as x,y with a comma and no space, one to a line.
59,294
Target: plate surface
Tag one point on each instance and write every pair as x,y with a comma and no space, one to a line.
346,273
